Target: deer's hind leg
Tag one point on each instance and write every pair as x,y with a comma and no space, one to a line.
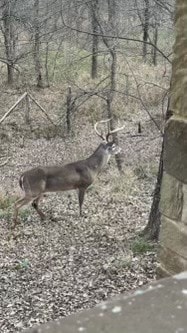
18,204
35,206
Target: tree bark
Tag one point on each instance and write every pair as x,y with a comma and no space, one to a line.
8,40
113,73
112,13
95,39
69,109
38,66
145,29
152,228
155,41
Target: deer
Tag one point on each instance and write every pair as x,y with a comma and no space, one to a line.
77,175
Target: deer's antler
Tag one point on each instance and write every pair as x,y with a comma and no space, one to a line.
110,132
114,131
101,135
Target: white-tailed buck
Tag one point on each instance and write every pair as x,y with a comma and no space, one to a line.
77,175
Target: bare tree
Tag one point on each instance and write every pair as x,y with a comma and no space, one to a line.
146,28
36,51
95,38
112,13
155,41
113,73
9,37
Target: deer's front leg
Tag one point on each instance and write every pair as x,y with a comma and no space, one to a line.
81,198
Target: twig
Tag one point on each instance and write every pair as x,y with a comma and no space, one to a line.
5,162
154,84
143,104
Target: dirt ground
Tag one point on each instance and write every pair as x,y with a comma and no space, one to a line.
67,263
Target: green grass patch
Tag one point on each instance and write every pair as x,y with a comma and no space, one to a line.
5,214
24,214
24,264
6,202
140,246
7,206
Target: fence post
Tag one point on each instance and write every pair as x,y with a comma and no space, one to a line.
27,110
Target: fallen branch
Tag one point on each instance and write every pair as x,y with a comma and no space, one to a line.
41,108
25,95
12,108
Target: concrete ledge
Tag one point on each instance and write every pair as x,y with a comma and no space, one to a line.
162,272
174,235
171,262
161,308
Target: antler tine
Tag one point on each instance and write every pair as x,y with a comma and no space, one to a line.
114,131
96,130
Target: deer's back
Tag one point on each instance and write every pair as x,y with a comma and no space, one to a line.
70,176
57,178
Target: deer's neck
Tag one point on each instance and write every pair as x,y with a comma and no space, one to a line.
98,159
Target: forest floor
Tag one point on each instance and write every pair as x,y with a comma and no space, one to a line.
68,263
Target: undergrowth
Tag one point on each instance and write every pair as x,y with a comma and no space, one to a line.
141,246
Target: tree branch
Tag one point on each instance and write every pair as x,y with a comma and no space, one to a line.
117,37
